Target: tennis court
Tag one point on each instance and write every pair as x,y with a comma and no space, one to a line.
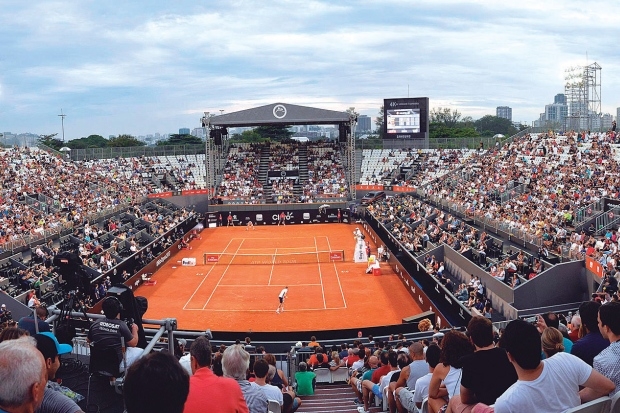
239,274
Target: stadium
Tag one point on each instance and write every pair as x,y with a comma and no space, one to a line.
200,242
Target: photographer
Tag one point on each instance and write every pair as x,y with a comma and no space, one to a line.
107,332
5,314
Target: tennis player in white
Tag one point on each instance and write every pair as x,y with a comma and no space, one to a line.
281,297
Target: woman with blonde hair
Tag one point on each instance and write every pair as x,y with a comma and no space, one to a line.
336,362
552,341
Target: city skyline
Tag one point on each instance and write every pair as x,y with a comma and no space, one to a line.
144,66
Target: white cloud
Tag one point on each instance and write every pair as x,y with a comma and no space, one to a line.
153,67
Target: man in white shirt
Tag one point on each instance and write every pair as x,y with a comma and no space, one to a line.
558,376
408,400
261,371
282,297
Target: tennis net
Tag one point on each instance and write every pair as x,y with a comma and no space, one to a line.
226,258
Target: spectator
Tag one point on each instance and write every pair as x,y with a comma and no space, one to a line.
410,374
280,378
23,376
487,373
261,370
236,362
552,341
369,387
552,320
12,333
575,326
607,362
446,379
306,380
545,386
156,383
53,399
313,342
27,323
356,380
208,392
592,342
408,400
107,333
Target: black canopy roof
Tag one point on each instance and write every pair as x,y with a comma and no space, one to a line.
280,114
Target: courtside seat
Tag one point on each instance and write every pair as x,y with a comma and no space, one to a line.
323,375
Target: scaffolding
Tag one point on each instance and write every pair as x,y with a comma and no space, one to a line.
583,96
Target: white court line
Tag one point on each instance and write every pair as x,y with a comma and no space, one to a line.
279,248
222,276
203,280
272,285
273,264
266,311
318,263
336,271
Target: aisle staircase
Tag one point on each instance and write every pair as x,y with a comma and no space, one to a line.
329,398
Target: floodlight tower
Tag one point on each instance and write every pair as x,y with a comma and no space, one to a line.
62,122
205,121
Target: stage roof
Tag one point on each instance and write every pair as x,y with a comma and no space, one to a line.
280,114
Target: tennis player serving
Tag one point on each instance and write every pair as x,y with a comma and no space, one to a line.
281,297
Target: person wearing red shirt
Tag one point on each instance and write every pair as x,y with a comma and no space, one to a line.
208,392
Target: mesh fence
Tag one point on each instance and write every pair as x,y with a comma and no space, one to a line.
220,258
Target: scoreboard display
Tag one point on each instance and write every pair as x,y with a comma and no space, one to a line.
405,118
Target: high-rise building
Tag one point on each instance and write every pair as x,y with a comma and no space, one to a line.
556,113
183,131
560,98
363,123
504,112
199,132
617,115
606,120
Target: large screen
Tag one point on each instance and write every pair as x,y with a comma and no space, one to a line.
405,118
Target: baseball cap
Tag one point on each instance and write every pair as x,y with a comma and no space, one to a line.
49,346
3,305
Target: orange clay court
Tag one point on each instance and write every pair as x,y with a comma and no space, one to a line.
321,296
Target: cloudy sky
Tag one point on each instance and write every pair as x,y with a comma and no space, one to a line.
151,66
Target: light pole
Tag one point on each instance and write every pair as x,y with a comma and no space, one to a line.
62,122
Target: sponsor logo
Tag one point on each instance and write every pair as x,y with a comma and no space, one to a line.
306,215
420,299
162,259
335,256
259,217
279,111
448,299
212,258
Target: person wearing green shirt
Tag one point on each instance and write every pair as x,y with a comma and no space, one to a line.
306,380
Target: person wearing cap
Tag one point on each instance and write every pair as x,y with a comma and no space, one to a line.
5,314
53,400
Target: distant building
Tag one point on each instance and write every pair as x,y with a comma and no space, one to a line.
504,112
560,99
556,113
199,132
363,123
617,116
606,120
183,131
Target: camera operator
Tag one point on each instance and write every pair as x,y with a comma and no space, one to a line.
107,332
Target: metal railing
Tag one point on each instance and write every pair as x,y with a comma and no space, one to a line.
135,152
586,212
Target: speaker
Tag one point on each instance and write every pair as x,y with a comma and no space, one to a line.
216,135
343,130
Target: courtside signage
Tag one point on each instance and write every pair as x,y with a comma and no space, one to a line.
213,258
335,255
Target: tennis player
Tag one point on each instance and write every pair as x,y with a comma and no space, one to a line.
281,297
249,226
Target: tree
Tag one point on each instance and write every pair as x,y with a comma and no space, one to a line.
489,125
445,116
92,141
50,141
274,132
379,122
176,139
247,136
124,141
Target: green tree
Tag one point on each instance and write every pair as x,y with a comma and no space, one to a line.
176,139
92,141
489,125
50,141
445,116
274,132
247,136
379,122
125,141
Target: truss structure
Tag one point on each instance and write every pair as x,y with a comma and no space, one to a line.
583,96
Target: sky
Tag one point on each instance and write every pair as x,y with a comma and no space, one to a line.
141,67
